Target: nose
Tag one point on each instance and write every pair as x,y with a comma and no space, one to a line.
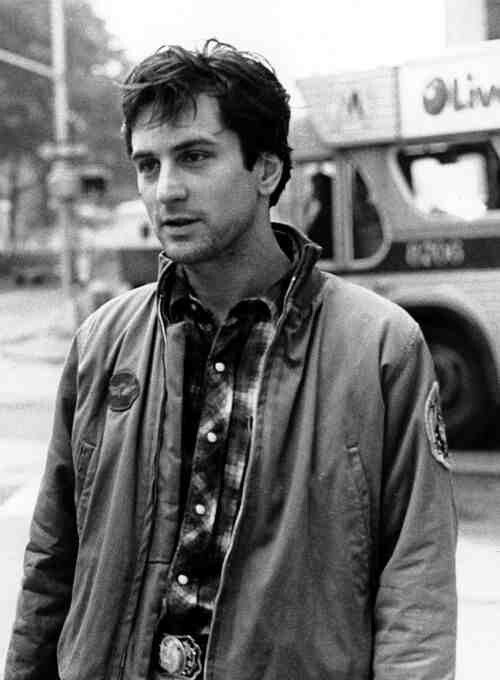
171,184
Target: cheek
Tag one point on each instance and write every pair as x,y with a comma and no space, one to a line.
147,193
238,187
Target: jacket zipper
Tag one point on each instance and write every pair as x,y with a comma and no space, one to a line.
279,326
121,667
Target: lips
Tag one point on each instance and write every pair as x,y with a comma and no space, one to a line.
180,221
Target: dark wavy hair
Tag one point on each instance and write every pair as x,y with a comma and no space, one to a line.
252,101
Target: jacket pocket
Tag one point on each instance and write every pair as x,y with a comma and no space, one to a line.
83,479
360,537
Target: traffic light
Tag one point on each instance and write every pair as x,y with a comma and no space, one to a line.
94,181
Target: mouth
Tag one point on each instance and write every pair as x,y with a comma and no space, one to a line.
176,222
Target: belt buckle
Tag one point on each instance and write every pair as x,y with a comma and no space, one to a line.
179,656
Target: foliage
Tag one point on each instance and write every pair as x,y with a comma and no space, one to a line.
25,118
94,67
26,98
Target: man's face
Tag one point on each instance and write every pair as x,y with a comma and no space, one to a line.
201,200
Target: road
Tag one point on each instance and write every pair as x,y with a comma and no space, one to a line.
30,365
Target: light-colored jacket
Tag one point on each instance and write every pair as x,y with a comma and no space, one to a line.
342,561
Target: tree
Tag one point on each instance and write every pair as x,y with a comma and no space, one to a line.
95,65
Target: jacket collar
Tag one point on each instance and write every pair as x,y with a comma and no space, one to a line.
305,281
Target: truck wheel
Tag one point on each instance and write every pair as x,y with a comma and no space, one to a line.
463,387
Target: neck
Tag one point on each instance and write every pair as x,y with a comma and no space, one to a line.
247,273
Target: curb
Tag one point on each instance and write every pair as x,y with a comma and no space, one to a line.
473,559
476,462
51,347
22,502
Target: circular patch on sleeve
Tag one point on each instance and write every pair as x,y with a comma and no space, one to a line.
434,427
123,390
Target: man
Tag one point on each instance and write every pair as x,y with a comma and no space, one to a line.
248,475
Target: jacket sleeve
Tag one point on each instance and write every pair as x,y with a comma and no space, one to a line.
415,607
50,554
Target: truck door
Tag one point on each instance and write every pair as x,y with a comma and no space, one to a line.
366,238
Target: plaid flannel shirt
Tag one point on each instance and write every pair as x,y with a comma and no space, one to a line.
221,378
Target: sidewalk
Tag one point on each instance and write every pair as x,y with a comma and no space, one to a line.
21,465
48,343
33,345
28,377
21,470
37,324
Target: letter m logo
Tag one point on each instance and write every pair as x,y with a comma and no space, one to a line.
354,105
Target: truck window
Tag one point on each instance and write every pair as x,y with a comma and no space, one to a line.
458,180
318,211
307,202
366,224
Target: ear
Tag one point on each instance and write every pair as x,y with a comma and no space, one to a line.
269,168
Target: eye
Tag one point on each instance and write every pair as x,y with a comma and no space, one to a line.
147,166
194,156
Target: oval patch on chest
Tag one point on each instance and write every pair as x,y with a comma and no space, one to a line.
123,390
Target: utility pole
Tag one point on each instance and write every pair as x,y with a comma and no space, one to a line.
61,140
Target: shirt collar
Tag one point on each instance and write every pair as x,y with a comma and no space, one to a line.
178,297
183,304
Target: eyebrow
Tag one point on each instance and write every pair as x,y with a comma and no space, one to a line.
181,146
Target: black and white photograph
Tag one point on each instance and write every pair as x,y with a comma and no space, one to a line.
250,340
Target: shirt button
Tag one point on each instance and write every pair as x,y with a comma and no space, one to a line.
212,437
220,367
199,509
182,579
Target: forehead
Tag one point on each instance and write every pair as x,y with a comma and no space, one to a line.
202,121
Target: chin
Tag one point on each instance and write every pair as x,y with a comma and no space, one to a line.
187,254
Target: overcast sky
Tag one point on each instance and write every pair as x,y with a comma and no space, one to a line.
298,37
